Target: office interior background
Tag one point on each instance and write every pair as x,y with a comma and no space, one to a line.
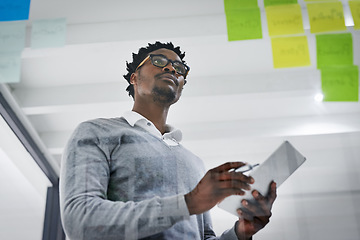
235,106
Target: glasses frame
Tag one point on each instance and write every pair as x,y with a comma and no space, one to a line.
168,61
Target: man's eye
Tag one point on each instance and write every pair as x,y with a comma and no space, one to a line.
179,68
160,62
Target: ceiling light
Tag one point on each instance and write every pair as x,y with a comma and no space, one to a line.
319,97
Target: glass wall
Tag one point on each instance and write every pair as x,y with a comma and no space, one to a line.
23,189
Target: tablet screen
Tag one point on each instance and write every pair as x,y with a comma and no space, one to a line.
278,167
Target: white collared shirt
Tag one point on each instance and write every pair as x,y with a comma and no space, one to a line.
172,137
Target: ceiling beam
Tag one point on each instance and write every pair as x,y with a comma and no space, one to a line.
41,100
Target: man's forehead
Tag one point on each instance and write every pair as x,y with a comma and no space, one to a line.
167,52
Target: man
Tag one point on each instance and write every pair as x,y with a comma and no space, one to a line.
129,178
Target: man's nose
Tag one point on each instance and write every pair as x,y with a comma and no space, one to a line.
169,68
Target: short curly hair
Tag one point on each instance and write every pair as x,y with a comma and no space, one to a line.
142,54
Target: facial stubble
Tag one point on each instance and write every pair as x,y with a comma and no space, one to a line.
163,95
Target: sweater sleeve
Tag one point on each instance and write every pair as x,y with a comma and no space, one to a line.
86,212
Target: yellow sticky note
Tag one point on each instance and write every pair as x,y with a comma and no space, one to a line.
278,2
355,12
290,51
326,16
284,19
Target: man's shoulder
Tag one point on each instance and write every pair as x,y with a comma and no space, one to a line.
104,121
102,124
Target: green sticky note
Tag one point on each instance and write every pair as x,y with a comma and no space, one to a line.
290,51
326,17
340,83
334,49
231,5
48,33
10,67
284,19
355,12
244,24
278,2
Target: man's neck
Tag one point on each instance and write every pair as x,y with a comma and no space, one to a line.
155,113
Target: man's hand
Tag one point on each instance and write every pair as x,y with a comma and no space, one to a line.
217,184
253,216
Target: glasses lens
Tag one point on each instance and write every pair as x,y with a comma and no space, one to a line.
179,67
159,61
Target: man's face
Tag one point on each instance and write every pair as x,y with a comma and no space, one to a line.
162,85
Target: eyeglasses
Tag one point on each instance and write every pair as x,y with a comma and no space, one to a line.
162,61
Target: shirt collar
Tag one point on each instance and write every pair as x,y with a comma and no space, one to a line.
133,117
136,119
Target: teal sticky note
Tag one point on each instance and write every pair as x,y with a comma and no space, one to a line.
12,36
14,10
244,24
334,49
340,83
47,33
10,67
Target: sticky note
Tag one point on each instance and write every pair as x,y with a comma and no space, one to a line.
340,83
10,67
326,16
12,36
278,2
355,12
284,19
244,24
231,5
13,10
290,51
319,0
334,49
48,33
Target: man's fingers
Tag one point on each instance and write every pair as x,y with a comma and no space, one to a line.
227,166
259,208
245,214
272,193
234,184
233,176
263,202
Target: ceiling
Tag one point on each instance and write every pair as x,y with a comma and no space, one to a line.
236,106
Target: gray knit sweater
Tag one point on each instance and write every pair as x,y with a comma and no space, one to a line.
121,182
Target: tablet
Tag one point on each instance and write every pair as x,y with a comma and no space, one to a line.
278,167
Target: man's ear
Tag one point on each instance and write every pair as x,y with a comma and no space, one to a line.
133,78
